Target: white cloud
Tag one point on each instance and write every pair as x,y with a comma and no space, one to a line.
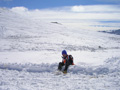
96,8
19,9
78,8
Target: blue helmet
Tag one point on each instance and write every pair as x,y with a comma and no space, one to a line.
64,52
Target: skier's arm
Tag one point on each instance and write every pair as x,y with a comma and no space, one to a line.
71,58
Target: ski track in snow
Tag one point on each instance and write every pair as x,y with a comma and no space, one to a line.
42,77
25,80
109,66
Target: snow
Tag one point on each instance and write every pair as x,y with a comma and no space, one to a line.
41,77
31,50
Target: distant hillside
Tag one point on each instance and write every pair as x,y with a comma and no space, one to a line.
117,32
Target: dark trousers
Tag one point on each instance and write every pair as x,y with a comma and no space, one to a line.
61,64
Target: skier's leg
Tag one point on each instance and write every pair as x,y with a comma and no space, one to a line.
67,65
60,66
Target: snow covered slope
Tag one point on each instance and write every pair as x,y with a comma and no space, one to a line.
30,51
20,34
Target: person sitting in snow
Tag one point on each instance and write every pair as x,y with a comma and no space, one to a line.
67,60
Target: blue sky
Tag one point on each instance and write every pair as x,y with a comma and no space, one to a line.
41,4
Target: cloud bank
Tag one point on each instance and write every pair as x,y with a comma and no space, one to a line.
73,12
74,9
